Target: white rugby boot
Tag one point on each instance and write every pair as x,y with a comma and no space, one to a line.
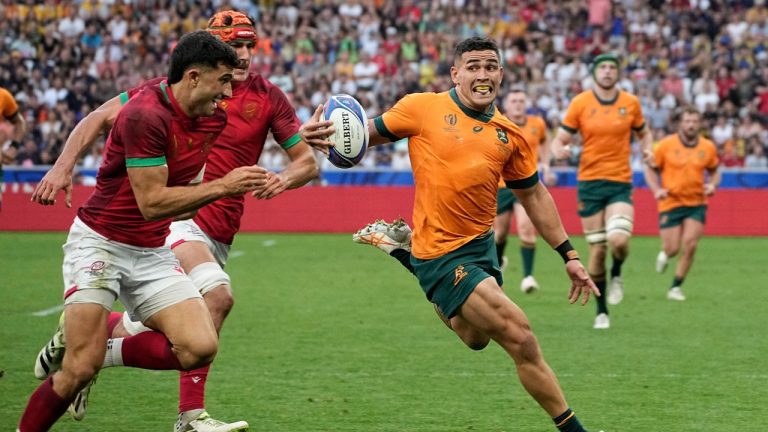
204,423
602,322
615,291
385,236
529,284
675,293
50,356
661,262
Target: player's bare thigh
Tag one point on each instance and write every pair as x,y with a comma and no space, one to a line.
193,253
671,239
692,232
490,311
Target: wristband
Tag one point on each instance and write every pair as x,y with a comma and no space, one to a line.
15,144
566,251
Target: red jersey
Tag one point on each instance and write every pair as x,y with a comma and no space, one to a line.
256,107
152,130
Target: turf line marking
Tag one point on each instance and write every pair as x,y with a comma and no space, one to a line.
236,254
49,311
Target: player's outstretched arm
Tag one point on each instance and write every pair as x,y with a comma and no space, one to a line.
158,201
541,209
83,135
302,168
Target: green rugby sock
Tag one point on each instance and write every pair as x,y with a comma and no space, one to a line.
567,422
601,306
616,267
404,257
527,252
500,246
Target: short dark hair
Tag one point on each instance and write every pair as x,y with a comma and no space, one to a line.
475,43
199,48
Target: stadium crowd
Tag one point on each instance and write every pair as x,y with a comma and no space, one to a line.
61,59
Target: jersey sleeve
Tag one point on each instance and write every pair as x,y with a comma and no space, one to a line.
714,161
520,170
128,94
542,131
639,121
405,119
570,122
658,154
285,125
145,145
8,104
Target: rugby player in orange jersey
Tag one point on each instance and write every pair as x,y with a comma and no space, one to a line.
460,146
605,116
202,241
534,130
681,161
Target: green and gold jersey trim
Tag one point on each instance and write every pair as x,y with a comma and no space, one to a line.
484,117
523,183
124,98
381,128
608,101
145,162
290,142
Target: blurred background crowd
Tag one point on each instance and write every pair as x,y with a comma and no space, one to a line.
62,59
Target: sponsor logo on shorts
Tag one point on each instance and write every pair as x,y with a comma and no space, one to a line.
178,269
459,274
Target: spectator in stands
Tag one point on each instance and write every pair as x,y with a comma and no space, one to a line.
321,41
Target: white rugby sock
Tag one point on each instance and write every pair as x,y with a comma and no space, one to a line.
114,354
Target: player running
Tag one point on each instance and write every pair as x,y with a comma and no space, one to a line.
534,130
605,116
202,243
115,245
681,160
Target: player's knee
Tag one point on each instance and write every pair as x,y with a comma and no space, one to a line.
476,341
219,302
199,354
690,245
79,373
619,227
527,350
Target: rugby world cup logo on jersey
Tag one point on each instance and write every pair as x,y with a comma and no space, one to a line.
451,120
622,111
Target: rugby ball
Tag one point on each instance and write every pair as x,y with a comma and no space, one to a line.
350,140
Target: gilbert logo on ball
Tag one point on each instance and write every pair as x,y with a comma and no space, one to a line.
350,140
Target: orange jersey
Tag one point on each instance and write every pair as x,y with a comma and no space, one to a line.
682,170
457,155
606,129
8,106
535,132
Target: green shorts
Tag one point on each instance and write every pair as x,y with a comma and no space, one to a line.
596,195
677,215
448,280
505,200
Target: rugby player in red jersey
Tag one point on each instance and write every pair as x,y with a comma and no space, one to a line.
115,247
202,243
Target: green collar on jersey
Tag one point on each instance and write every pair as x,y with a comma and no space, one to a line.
484,117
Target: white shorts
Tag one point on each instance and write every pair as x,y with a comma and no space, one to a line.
187,230
99,270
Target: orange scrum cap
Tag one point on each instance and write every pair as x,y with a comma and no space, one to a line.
232,26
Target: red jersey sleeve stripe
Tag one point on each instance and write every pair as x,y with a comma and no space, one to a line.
145,162
290,142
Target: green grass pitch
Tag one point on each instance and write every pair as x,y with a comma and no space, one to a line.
331,336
